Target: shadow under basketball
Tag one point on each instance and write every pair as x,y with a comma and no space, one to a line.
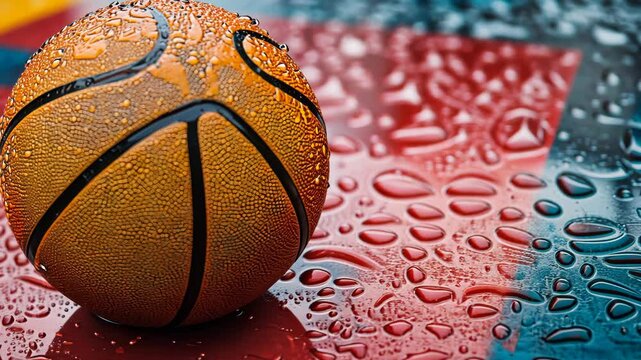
262,330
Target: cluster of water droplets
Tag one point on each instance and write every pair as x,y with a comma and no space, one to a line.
563,241
423,238
30,310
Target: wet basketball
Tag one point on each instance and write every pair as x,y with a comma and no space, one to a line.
164,162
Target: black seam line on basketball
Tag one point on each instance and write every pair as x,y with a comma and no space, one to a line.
187,113
239,37
199,218
119,74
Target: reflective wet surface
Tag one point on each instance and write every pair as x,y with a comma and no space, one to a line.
485,198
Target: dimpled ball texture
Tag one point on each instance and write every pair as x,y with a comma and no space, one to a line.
164,162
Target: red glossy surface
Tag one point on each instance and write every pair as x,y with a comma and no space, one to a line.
415,256
4,94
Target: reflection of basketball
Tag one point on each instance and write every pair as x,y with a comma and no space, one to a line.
261,330
164,162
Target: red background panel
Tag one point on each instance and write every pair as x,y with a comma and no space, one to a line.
4,94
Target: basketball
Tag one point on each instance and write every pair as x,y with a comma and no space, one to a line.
164,162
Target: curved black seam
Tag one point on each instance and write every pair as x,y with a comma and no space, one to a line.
239,37
121,73
188,113
199,220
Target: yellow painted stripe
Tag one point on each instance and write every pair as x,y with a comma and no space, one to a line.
15,13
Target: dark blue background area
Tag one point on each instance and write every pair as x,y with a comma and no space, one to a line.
12,62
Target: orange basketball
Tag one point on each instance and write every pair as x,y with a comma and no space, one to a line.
164,162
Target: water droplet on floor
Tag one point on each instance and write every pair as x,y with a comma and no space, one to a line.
569,334
481,311
522,129
514,236
608,36
326,292
378,150
424,212
587,271
443,254
357,350
501,331
322,306
511,214
631,145
542,244
441,331
415,274
398,328
347,184
575,186
620,310
565,258
562,303
343,145
470,207
434,294
427,233
527,181
340,255
430,355
624,194
592,228
471,187
332,201
562,285
413,253
289,275
624,260
7,320
319,234
419,136
381,219
516,306
345,228
479,242
378,237
314,277
548,208
401,185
